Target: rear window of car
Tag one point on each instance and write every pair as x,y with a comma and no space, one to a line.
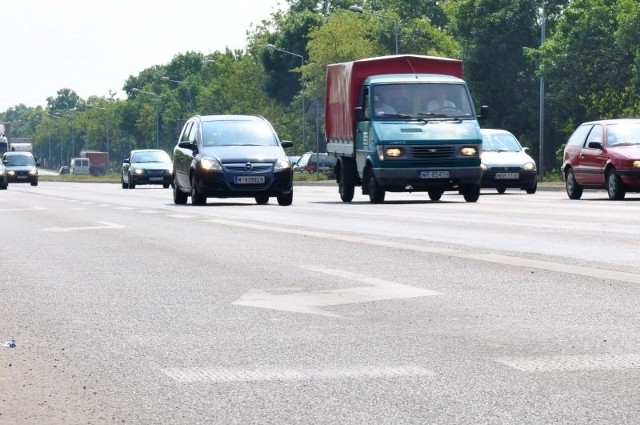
237,133
579,135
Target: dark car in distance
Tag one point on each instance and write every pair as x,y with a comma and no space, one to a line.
231,156
146,167
21,167
4,181
603,154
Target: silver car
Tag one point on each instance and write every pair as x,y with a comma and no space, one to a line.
505,163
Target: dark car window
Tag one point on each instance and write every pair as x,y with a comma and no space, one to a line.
237,133
19,160
595,135
579,136
187,130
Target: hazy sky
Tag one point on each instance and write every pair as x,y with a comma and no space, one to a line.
93,46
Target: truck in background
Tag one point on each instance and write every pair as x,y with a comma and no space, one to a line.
8,143
416,142
98,161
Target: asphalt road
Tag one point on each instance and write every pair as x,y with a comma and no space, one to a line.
127,308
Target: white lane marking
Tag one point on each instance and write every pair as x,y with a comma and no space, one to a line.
573,363
489,258
22,209
180,216
199,374
102,225
149,212
310,302
124,208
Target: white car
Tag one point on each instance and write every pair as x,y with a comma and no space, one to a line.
505,163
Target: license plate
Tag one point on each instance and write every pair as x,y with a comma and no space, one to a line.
249,179
22,177
155,179
434,174
507,176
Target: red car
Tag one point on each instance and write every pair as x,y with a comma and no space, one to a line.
603,155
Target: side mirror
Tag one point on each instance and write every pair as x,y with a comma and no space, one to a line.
525,149
126,161
484,113
37,163
595,145
359,113
188,145
286,143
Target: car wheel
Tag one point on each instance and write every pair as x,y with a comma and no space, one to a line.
131,183
4,187
532,189
196,196
124,185
262,200
179,197
34,182
166,185
286,200
501,190
615,187
435,195
470,192
376,192
346,189
574,190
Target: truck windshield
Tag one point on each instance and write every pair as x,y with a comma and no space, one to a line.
422,100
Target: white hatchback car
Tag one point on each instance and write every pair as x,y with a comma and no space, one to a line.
505,163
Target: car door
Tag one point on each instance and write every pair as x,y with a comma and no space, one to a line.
592,158
573,150
182,156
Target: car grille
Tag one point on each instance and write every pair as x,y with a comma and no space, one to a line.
432,152
156,172
256,167
502,169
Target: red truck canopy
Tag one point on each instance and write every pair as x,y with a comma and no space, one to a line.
345,79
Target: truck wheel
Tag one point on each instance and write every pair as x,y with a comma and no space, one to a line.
435,195
346,179
471,192
376,192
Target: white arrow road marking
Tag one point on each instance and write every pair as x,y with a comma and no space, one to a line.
310,302
103,225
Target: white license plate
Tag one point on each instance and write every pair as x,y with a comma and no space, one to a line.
22,177
434,174
507,176
249,179
155,179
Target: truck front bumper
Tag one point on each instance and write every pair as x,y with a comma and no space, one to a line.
419,179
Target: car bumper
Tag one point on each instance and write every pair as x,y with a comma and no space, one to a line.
221,185
22,178
494,179
142,180
405,179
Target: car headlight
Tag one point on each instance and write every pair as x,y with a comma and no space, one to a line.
484,166
282,164
529,166
33,172
11,173
636,164
210,164
138,171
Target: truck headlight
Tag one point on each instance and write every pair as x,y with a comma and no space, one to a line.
484,166
469,151
393,152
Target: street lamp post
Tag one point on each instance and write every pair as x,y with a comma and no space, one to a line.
167,79
274,47
541,113
359,9
155,106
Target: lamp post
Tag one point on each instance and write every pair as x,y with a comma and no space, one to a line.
274,47
541,135
359,9
167,79
155,106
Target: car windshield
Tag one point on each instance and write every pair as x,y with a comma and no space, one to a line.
500,142
19,160
623,134
151,156
237,133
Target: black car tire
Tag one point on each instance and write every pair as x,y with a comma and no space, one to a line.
4,187
501,190
615,187
376,192
262,200
124,185
470,192
34,182
574,190
435,195
166,185
286,200
179,197
197,198
131,184
532,189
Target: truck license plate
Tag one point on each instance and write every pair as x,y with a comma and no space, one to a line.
507,176
249,179
444,174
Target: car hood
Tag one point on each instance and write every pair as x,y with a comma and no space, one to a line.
626,152
491,158
20,167
227,154
431,131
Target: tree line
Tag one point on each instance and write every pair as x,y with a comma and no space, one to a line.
587,68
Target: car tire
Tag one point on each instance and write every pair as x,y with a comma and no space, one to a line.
501,190
435,195
533,188
376,192
286,200
615,187
34,182
124,185
574,190
131,184
166,185
4,187
197,198
262,200
470,192
179,197
345,186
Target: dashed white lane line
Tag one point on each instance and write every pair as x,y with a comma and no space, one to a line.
149,211
573,363
199,374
